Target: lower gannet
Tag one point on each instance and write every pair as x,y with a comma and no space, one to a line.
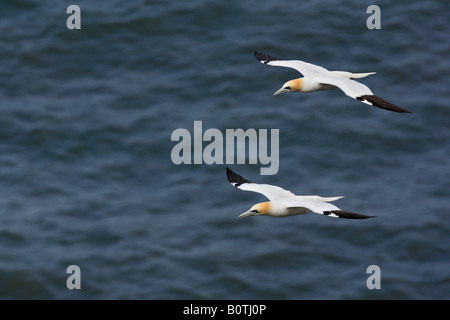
284,203
317,78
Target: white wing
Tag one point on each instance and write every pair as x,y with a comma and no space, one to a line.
318,206
304,68
321,206
358,91
271,192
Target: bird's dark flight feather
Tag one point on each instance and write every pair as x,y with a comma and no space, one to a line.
381,103
347,214
236,179
265,58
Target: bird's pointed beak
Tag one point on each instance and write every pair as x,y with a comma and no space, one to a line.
247,214
282,90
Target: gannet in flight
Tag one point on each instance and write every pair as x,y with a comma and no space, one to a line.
317,78
284,203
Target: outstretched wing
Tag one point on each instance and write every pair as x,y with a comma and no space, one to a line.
320,206
271,192
304,68
359,91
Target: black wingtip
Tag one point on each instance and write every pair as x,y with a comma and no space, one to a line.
381,103
236,179
347,214
264,58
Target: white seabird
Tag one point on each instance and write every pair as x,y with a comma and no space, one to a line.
317,78
284,203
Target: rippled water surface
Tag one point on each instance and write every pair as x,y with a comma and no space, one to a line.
87,178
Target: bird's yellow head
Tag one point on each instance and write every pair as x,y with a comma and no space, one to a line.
258,209
291,85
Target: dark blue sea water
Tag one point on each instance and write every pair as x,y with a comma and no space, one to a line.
87,178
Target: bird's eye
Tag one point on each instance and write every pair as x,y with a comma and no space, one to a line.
254,211
287,88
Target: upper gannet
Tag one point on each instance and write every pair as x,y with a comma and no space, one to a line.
317,78
284,203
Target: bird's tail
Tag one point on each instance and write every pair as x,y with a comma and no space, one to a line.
324,199
361,75
330,199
